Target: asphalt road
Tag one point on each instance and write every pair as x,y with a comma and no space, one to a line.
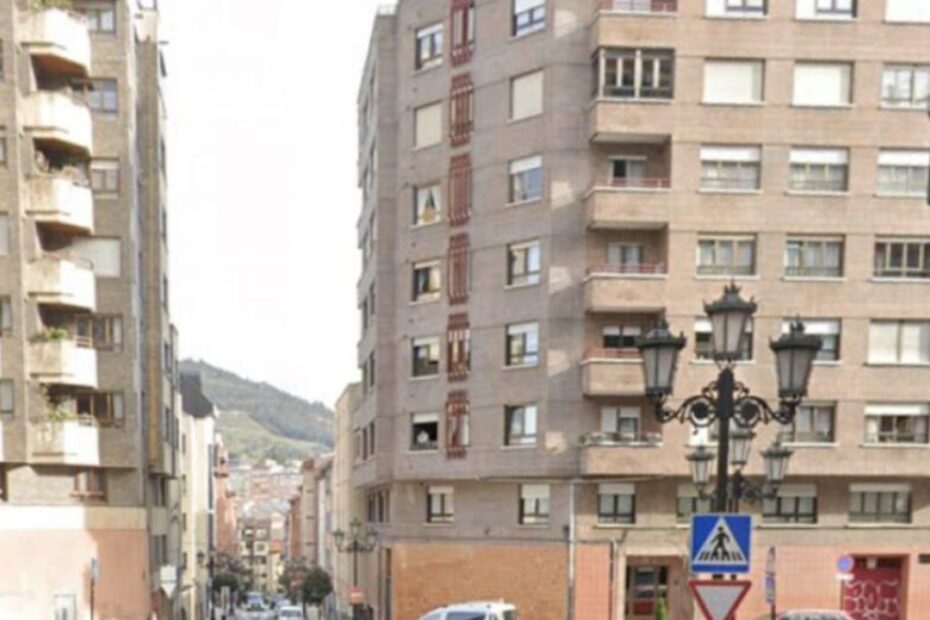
267,615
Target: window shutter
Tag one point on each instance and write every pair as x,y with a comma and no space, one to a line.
463,28
458,342
526,95
907,11
743,154
835,157
4,235
918,159
428,125
460,182
826,84
732,81
460,109
883,342
103,254
609,419
457,424
915,343
616,488
458,268
534,491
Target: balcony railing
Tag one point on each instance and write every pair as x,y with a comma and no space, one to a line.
57,199
813,272
640,6
637,182
59,41
63,362
629,269
601,438
729,184
601,353
72,442
57,117
63,281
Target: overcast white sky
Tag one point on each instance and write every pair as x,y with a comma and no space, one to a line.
262,188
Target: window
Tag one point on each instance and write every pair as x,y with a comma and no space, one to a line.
829,332
520,425
463,30
726,256
425,357
822,84
526,96
899,342
103,96
105,407
627,171
689,503
523,263
906,86
626,73
427,281
879,503
103,255
522,344
526,180
896,423
459,190
65,606
534,504
424,432
907,11
427,125
461,109
736,168
439,505
826,9
3,158
7,401
458,431
814,257
429,47
645,587
813,423
903,173
104,176
902,259
733,81
795,503
459,347
528,16
621,337
90,484
427,205
625,257
819,170
6,316
703,341
100,17
616,503
4,235
459,259
622,424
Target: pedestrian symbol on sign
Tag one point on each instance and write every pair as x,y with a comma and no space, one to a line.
721,547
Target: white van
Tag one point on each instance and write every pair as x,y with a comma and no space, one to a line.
478,610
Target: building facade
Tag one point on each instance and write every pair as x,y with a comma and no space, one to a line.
224,501
255,552
89,419
542,180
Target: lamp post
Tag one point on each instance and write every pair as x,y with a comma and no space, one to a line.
726,402
358,542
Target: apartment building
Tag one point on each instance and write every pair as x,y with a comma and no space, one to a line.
255,553
224,500
89,413
543,179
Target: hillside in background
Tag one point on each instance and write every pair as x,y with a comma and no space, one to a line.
259,420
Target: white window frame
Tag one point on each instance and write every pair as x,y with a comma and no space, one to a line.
819,252
433,37
821,168
525,255
645,62
907,11
529,417
434,355
904,271
422,419
910,169
421,196
528,336
802,84
903,349
524,171
533,11
733,268
539,498
434,282
729,163
892,75
915,416
714,69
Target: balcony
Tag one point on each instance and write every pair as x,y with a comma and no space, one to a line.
63,362
62,202
652,7
64,443
626,288
58,42
612,372
62,282
59,121
644,458
612,208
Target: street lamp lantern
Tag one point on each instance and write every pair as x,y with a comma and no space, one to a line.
776,459
354,528
659,350
729,319
740,446
700,461
795,353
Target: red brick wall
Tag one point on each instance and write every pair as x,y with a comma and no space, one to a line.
532,576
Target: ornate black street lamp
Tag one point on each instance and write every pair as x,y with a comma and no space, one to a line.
358,542
725,400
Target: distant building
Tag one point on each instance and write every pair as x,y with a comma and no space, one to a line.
255,554
225,502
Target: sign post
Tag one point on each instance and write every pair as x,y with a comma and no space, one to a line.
719,599
721,543
94,576
770,588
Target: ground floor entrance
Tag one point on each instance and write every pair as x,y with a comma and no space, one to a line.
876,591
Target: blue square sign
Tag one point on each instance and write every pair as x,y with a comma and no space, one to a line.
721,543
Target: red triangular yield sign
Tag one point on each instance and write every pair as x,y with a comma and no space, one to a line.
719,599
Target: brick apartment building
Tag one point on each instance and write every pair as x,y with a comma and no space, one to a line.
542,180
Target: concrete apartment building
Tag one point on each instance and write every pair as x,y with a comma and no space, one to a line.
224,500
198,514
255,552
89,414
542,179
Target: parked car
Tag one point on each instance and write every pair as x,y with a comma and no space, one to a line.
289,611
478,610
813,614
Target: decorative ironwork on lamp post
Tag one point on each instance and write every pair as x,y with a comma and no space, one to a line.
357,542
726,401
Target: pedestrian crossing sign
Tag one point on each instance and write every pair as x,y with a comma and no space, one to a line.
721,543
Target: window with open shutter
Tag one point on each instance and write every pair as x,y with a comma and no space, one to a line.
459,347
463,31
457,436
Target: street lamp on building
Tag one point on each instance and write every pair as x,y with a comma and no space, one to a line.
358,541
727,404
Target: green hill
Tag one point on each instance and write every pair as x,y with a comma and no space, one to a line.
261,421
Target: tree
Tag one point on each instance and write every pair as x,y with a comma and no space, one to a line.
316,586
